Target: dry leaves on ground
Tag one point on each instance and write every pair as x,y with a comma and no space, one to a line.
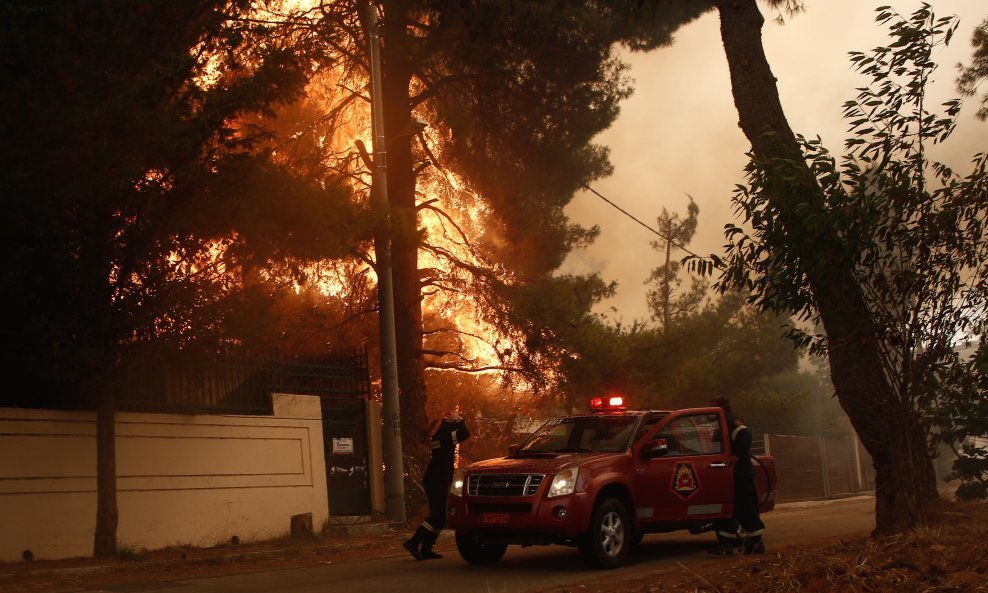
950,555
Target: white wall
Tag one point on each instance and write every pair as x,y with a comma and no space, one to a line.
181,479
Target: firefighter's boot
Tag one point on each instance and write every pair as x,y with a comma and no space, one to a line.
753,544
414,543
428,554
725,545
428,540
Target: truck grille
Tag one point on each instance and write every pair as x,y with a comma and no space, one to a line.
504,484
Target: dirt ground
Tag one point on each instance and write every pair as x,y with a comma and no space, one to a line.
949,555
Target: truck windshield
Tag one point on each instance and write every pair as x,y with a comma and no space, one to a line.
603,434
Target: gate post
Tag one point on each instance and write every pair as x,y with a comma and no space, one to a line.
375,458
857,463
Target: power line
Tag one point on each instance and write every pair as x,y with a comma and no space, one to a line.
632,217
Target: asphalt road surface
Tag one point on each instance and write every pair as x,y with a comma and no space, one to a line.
523,569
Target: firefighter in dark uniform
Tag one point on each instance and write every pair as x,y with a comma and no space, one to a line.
436,481
745,493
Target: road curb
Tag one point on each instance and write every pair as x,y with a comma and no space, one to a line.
815,503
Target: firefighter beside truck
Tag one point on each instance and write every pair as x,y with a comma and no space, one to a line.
600,481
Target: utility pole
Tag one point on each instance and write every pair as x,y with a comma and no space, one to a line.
394,484
667,287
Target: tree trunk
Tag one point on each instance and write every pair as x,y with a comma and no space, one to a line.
105,540
890,429
405,236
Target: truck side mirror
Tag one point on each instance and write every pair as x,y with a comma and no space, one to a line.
655,448
513,449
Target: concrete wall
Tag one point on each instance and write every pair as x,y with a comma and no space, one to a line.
181,479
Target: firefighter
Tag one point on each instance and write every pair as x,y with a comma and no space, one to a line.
436,481
745,493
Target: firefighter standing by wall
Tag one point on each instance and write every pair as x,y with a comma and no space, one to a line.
436,481
745,493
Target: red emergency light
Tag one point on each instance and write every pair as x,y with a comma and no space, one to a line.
613,402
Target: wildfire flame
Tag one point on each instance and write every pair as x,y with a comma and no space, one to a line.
451,215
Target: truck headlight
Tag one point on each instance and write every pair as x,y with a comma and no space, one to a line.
456,488
564,482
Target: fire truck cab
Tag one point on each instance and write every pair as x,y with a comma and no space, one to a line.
601,481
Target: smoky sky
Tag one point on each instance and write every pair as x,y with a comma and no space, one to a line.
678,134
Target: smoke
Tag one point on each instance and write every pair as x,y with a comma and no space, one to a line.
678,133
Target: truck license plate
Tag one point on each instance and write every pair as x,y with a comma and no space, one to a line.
500,518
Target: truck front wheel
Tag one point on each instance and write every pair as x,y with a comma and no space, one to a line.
607,543
476,549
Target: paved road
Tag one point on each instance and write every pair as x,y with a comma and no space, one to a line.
521,570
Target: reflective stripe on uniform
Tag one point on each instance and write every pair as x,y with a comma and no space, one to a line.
435,444
453,435
734,433
754,533
429,527
727,534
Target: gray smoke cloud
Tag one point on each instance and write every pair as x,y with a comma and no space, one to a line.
678,133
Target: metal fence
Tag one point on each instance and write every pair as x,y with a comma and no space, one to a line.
816,468
237,384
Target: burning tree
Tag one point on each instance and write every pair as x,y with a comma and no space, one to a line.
513,94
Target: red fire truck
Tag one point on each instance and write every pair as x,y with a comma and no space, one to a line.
600,481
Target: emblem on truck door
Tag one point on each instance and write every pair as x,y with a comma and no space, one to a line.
684,480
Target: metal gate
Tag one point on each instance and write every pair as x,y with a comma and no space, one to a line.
344,427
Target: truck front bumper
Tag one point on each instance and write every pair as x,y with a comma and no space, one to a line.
521,519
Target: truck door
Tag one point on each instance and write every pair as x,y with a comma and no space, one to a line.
693,479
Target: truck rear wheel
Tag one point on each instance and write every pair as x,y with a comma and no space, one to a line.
476,549
607,543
